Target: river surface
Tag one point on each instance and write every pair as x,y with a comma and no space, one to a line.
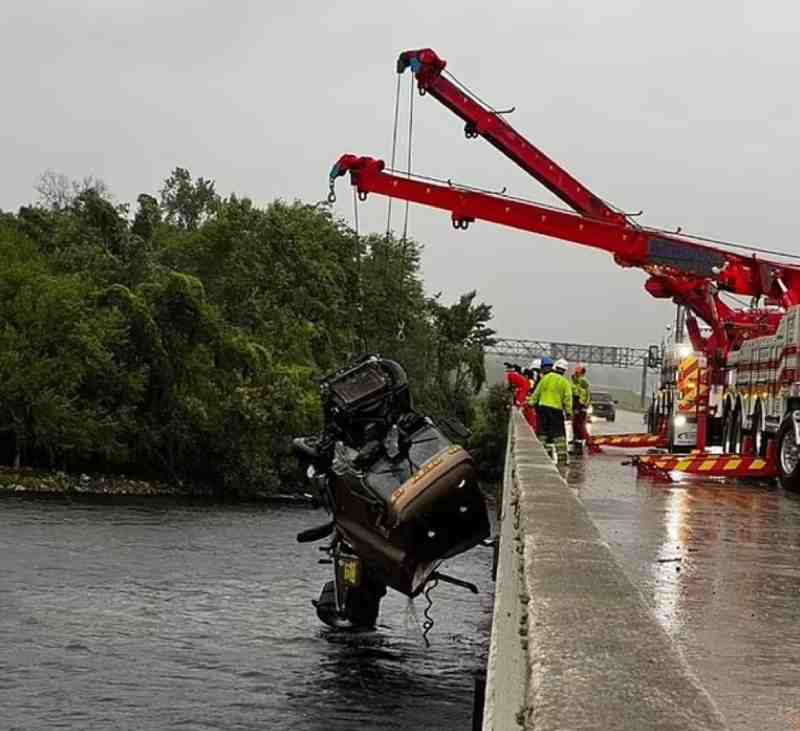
166,615
718,562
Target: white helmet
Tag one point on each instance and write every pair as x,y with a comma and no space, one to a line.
536,364
561,365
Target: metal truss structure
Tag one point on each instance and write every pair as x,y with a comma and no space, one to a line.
609,355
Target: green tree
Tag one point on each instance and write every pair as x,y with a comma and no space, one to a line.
489,433
187,203
461,336
185,341
62,394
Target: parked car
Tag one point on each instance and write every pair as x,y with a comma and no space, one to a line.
603,406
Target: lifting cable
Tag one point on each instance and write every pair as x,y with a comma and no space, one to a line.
360,335
408,164
394,151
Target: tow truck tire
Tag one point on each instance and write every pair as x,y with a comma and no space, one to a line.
758,433
732,430
788,456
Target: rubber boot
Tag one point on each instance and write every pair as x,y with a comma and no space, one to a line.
562,455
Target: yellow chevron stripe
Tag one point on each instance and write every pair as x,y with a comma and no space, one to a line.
732,464
757,464
707,465
682,465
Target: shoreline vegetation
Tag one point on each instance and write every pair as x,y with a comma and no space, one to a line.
179,342
29,482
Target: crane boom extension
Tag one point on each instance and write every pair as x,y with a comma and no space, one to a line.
659,254
489,124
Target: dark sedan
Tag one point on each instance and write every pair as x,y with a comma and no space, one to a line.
603,406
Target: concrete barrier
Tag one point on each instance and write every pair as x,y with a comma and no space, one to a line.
573,644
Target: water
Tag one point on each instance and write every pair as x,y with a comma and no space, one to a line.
163,615
719,564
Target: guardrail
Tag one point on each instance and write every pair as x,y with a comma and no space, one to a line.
573,645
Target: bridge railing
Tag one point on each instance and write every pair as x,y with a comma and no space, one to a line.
573,644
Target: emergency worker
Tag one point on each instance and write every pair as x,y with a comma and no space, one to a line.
553,400
527,410
581,400
517,383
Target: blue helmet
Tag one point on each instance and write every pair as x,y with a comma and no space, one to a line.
547,362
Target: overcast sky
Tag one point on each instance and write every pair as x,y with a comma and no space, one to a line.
686,109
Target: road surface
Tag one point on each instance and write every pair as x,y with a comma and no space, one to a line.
719,564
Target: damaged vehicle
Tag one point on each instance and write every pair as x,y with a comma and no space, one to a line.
402,497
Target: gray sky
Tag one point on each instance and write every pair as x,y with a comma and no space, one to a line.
686,109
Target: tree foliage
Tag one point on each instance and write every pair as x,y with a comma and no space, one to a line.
184,340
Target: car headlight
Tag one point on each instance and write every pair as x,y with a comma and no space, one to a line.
679,420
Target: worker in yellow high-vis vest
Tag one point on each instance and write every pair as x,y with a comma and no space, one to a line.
552,399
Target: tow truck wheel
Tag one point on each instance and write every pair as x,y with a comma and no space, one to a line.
732,431
788,457
759,437
727,410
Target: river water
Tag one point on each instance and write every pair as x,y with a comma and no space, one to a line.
166,615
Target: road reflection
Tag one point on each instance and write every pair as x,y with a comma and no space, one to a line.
718,563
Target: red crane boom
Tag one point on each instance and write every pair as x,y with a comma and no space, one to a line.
692,274
482,121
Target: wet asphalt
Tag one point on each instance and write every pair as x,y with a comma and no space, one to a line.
718,562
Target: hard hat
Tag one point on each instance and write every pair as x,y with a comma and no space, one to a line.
547,362
536,364
580,369
560,365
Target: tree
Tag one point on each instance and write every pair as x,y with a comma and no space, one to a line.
62,393
460,338
185,341
148,216
187,204
57,191
490,432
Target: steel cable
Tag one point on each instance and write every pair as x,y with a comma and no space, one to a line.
408,166
394,151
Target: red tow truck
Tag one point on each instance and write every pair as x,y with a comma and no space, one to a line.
747,407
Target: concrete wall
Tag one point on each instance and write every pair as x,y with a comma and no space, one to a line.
573,645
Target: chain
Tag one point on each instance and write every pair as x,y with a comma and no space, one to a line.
427,625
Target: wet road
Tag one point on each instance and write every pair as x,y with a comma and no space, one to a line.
178,616
719,563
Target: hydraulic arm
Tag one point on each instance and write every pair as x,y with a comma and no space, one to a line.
488,123
692,274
